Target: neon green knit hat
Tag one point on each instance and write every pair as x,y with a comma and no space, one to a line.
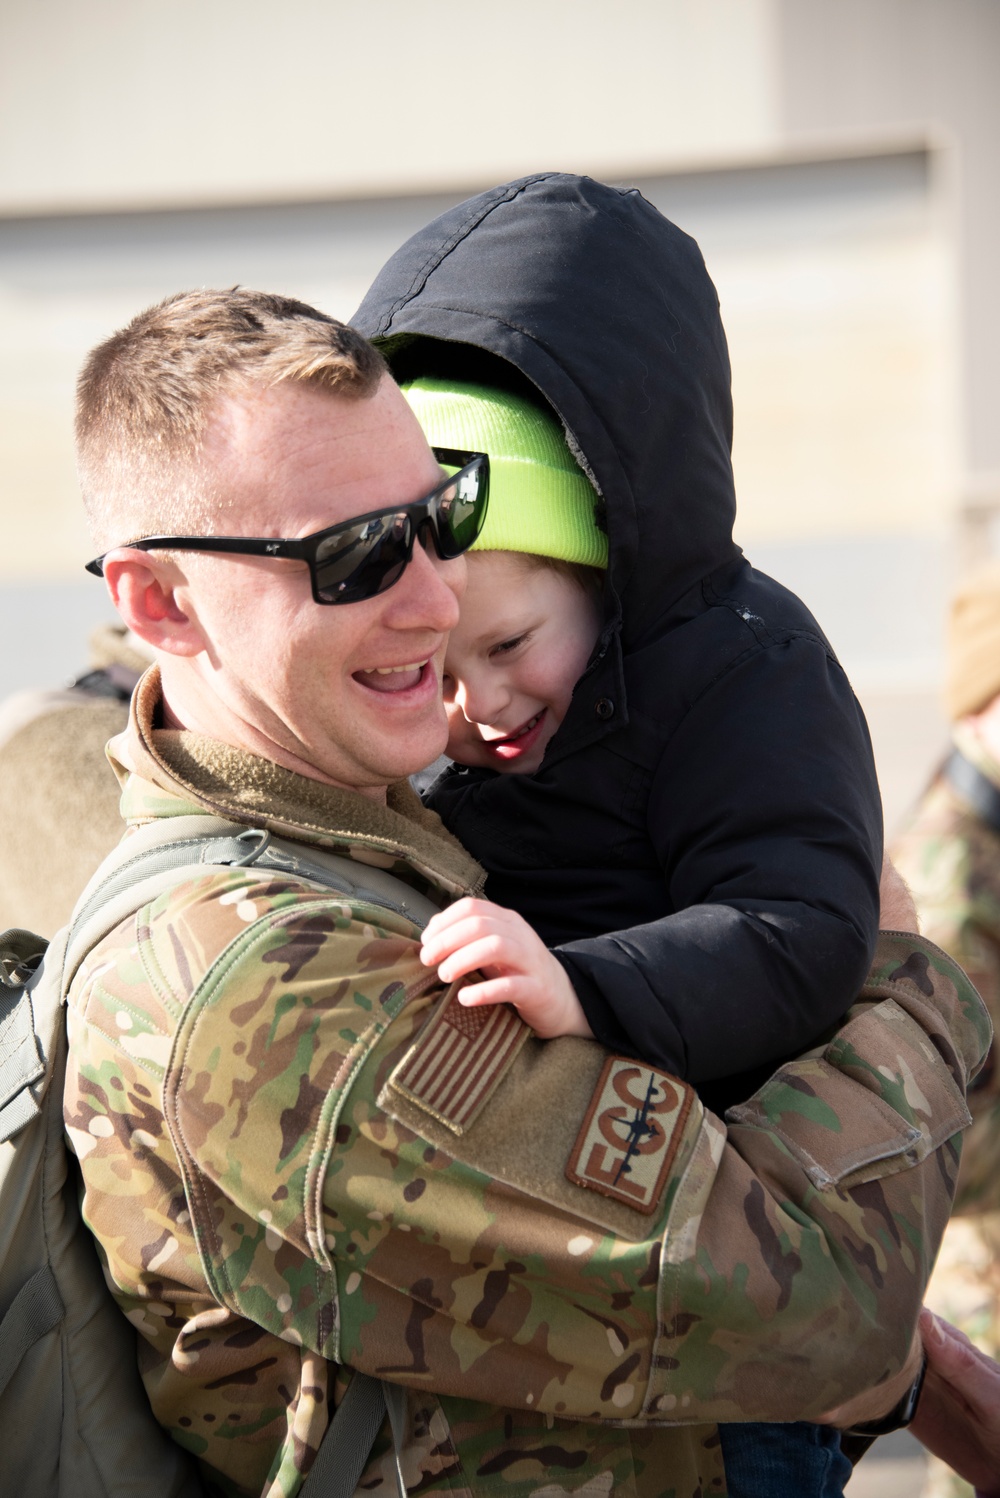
540,501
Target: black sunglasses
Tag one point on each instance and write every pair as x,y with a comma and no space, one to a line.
361,557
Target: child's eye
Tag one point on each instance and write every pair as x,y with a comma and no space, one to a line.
507,645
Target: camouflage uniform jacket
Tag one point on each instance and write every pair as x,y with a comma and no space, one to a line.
301,1157
950,858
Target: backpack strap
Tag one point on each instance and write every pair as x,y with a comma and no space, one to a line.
35,1310
168,852
351,1434
143,867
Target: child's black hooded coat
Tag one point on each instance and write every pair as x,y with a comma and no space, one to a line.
710,798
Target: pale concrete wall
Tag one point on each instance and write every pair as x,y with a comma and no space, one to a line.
133,103
833,279
866,65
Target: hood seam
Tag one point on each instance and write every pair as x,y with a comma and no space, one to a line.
572,441
667,481
441,252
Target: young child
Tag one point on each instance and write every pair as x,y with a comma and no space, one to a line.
530,622
531,619
698,837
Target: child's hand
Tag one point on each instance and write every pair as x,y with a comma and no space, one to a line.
518,968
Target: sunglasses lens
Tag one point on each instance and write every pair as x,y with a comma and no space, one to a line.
363,560
356,562
461,510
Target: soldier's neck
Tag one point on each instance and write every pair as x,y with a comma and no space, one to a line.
188,704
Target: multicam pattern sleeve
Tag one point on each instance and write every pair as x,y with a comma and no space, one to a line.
950,859
279,1182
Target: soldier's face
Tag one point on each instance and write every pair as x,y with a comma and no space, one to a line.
351,693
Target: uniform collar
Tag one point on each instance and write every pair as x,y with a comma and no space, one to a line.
173,772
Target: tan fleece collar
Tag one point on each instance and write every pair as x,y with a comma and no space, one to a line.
232,783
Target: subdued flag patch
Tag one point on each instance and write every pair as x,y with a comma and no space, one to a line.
630,1135
458,1060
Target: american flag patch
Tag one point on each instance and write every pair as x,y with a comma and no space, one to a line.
630,1135
459,1059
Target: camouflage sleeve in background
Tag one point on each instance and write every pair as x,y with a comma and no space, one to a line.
348,1167
951,861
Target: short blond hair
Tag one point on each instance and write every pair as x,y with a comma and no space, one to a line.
145,394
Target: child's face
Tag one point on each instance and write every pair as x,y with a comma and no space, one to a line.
522,641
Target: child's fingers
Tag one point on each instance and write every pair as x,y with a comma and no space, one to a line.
460,911
437,945
490,991
532,1006
488,951
548,1011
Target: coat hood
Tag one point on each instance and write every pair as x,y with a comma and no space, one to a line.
607,309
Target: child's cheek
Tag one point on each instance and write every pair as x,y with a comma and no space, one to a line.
460,736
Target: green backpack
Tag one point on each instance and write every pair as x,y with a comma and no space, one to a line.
74,1418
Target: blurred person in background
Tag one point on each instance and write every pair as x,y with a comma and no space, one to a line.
58,797
949,853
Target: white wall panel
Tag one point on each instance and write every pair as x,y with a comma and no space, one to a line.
132,103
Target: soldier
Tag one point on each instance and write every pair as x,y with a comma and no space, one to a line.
949,853
301,1156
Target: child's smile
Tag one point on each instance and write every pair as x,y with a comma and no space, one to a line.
518,744
522,642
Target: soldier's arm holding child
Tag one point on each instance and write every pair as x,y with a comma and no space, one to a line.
516,966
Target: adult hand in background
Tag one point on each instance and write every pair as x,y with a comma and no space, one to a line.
958,1417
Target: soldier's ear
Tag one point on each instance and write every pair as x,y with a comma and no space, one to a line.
152,596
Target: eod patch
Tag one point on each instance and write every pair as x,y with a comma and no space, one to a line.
630,1134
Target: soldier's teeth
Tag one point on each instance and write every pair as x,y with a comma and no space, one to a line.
394,670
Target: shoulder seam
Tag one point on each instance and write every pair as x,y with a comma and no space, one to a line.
759,627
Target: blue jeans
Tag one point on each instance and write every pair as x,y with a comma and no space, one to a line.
783,1461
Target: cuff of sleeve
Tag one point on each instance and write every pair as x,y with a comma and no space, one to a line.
900,1416
607,1027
